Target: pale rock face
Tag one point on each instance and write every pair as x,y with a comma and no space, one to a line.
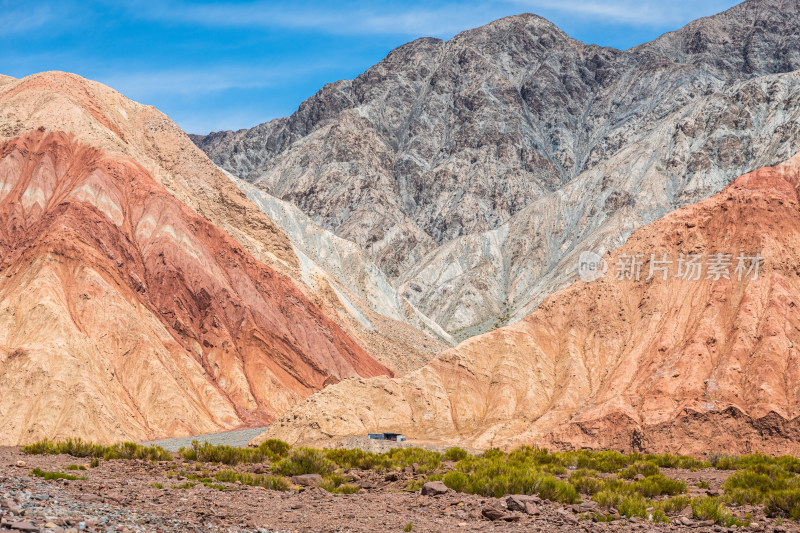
684,366
339,261
474,171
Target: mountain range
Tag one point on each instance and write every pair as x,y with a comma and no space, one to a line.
497,157
402,252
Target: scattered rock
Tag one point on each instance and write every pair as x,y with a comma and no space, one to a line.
434,488
523,503
307,480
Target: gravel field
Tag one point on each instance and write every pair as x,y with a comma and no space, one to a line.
238,438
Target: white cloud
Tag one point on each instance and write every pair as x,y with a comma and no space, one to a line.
20,17
642,12
149,85
437,20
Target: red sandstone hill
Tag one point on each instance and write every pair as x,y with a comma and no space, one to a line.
690,366
124,314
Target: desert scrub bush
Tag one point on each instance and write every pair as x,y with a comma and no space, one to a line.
702,484
754,484
604,461
586,481
81,448
38,472
304,461
426,461
336,484
608,498
253,480
550,488
668,460
349,459
645,468
658,485
186,485
636,506
157,485
783,504
76,467
675,504
731,462
493,480
712,508
275,448
224,454
649,487
455,454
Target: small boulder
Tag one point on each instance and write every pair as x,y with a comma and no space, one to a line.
27,527
307,480
523,503
22,464
585,507
492,513
434,488
391,476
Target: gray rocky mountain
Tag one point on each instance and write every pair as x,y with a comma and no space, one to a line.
474,171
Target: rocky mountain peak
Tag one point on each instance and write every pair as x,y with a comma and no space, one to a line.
473,171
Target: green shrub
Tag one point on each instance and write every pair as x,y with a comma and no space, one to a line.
81,448
254,480
38,472
274,448
586,481
668,460
336,484
76,467
645,468
634,505
227,455
675,504
608,498
304,461
455,454
784,503
712,508
550,488
658,485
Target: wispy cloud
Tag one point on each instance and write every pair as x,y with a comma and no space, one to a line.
443,19
366,19
21,17
632,12
146,85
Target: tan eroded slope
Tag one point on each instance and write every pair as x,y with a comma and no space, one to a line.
675,365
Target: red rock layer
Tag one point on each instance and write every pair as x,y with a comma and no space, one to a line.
123,314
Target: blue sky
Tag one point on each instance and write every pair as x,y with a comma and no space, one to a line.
230,65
